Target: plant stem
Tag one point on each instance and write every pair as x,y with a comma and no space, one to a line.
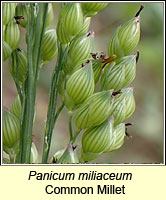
70,114
58,112
29,94
51,113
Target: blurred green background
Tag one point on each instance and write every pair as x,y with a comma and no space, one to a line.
147,143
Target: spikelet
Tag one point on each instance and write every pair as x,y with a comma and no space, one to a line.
91,9
120,74
95,110
123,105
80,84
69,156
11,132
12,34
79,52
96,140
126,38
8,10
49,47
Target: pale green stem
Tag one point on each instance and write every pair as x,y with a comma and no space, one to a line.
30,85
70,115
51,113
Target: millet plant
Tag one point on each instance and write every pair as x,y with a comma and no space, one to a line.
92,86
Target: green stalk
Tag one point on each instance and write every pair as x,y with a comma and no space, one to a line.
29,94
51,113
58,112
70,114
26,123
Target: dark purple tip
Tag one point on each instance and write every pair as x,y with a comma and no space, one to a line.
129,124
117,92
74,147
137,56
127,134
141,8
18,49
90,33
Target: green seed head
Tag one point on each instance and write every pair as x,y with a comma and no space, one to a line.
96,140
69,156
12,34
119,75
69,103
11,132
49,46
6,50
21,10
72,18
97,69
34,158
94,111
3,31
20,65
63,36
126,38
117,138
91,9
85,26
123,105
16,107
79,52
8,10
80,84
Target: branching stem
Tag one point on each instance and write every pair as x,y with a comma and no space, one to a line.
52,115
30,84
